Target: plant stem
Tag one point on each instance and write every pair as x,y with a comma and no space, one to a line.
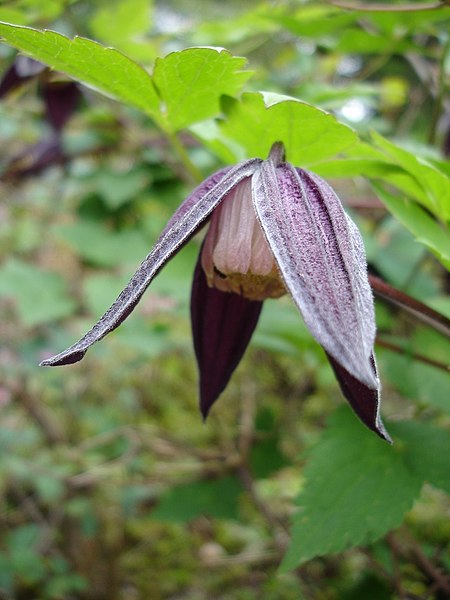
388,7
420,311
419,357
189,167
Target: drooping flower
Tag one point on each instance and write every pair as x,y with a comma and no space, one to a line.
273,229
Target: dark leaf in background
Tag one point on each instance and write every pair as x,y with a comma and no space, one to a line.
211,498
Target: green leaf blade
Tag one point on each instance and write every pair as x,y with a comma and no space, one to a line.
217,498
192,81
309,134
433,187
357,488
427,449
40,296
425,229
103,69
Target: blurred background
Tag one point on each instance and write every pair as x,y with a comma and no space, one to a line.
111,486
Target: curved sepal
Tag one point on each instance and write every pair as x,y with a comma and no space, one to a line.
364,401
222,325
321,257
184,223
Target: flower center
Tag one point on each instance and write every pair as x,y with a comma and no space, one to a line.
236,256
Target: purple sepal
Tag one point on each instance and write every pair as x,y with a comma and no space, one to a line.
186,221
61,100
321,257
22,69
222,325
364,401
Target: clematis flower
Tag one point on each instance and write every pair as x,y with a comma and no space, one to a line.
274,229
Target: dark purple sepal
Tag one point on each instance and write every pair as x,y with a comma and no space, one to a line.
61,100
222,325
364,401
186,221
22,69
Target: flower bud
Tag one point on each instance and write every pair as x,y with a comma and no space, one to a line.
236,256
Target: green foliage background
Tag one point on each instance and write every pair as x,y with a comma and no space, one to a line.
110,484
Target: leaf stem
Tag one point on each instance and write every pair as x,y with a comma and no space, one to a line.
414,355
190,169
420,311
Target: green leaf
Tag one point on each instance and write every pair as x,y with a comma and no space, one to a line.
357,41
357,488
266,457
30,11
395,255
192,81
424,384
119,21
11,15
103,69
425,229
426,451
99,291
40,296
309,134
369,588
354,167
215,498
124,25
235,29
281,329
26,561
118,188
433,186
317,22
185,87
102,246
211,136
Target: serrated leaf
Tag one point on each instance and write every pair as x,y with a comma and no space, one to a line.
357,488
192,81
425,229
185,87
40,296
103,69
308,133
